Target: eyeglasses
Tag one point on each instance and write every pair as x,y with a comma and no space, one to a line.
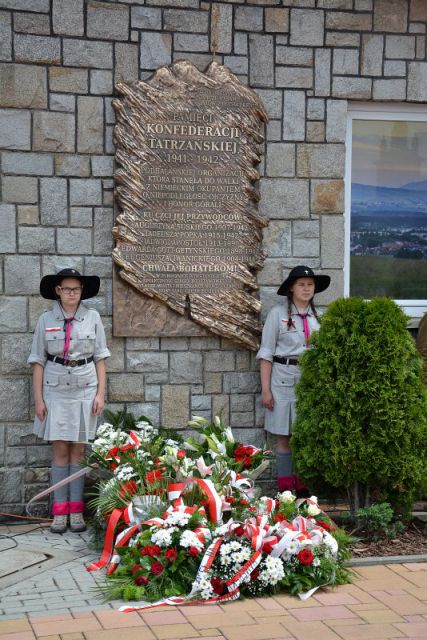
71,290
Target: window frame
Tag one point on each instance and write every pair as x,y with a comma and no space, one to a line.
371,111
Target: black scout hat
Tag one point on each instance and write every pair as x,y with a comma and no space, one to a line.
320,282
48,284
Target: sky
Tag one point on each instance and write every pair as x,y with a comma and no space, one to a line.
389,153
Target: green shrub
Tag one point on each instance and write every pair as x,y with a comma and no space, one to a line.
361,414
378,521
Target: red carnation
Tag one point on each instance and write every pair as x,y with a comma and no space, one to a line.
128,488
230,500
239,531
145,550
141,581
157,568
171,555
153,476
193,552
305,556
217,586
247,462
181,454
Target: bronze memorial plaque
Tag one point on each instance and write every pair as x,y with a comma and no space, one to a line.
188,232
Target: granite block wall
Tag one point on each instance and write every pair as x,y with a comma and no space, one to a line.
59,62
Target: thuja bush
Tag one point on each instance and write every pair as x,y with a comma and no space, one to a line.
361,412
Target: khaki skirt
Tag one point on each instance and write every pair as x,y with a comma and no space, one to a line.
68,394
283,380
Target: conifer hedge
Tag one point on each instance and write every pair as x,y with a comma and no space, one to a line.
362,407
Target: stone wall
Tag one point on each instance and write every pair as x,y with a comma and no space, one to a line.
59,61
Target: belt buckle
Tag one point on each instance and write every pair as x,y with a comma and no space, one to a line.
73,363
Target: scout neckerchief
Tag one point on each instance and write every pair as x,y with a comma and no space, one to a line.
304,318
67,329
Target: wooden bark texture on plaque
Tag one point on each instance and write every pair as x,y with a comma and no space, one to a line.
188,233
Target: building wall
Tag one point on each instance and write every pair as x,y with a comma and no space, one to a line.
59,61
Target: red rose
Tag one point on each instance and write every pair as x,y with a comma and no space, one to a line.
154,550
128,488
136,567
239,531
181,454
171,555
193,552
145,550
157,568
141,581
230,500
153,476
247,462
305,556
239,452
217,586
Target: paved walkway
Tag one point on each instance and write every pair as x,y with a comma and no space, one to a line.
383,602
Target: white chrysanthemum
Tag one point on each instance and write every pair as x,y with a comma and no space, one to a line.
104,428
221,530
226,561
146,431
292,547
124,472
179,518
142,455
273,571
205,588
287,497
189,539
162,537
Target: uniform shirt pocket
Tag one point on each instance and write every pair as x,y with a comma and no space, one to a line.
55,342
51,380
86,341
281,377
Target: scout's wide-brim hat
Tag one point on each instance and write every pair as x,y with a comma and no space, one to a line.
321,282
48,284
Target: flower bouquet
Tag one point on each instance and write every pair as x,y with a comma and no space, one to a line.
184,524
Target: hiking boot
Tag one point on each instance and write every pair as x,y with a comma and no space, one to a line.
59,524
77,523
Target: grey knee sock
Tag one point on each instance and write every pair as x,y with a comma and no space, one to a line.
60,472
76,486
284,463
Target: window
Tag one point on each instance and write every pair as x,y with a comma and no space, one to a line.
386,205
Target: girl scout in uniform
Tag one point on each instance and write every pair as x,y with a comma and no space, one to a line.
68,357
285,337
